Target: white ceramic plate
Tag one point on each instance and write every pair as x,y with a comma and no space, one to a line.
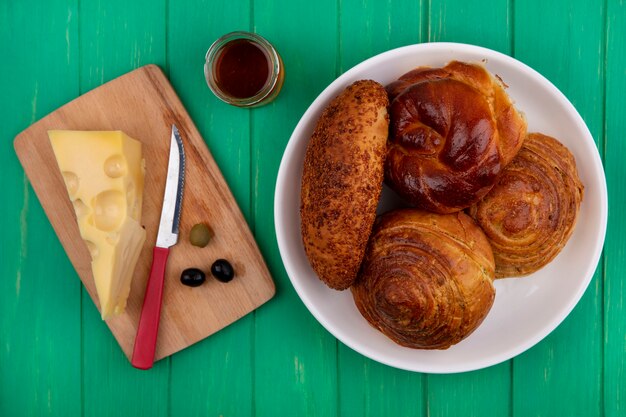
525,309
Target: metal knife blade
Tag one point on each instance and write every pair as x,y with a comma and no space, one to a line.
173,195
148,328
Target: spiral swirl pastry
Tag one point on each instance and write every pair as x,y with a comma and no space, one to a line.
530,213
427,279
453,130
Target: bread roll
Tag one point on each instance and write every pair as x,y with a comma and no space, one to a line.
453,130
342,180
427,279
530,213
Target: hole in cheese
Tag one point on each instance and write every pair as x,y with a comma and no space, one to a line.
71,182
81,209
93,249
109,210
115,166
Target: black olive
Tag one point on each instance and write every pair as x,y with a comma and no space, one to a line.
222,270
192,277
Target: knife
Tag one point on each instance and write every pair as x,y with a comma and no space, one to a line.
145,341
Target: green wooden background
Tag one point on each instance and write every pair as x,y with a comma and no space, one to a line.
58,358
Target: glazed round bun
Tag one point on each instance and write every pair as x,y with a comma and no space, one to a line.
342,181
427,279
530,213
453,130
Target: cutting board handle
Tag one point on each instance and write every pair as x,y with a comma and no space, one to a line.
145,341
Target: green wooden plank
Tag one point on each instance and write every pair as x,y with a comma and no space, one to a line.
369,27
567,365
39,297
462,21
487,391
478,393
295,358
614,255
116,37
213,377
369,388
366,387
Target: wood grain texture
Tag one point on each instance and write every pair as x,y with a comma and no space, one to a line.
463,394
207,198
295,358
221,366
370,389
614,248
40,353
478,393
368,28
569,52
367,388
461,21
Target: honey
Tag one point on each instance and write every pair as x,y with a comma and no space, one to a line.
244,70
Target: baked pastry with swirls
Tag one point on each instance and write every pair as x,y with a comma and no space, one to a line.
426,280
452,131
530,214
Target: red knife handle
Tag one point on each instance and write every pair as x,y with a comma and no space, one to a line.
145,341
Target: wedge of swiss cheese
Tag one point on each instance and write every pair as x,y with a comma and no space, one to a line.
104,175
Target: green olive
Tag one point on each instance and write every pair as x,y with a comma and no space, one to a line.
200,235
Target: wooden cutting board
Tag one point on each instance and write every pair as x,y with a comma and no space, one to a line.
143,104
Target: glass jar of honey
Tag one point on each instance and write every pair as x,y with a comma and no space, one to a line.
244,69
